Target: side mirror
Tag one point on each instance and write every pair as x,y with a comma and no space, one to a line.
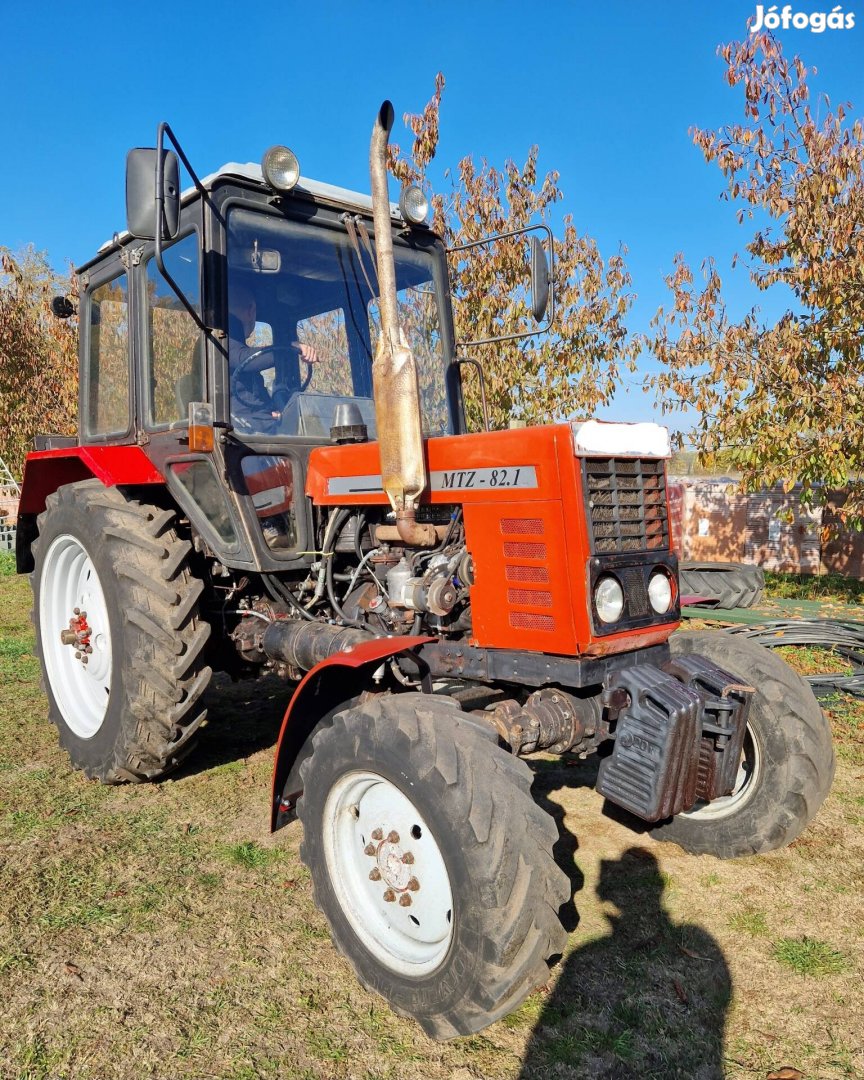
62,307
540,279
142,206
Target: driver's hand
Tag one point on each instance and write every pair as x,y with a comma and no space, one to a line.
307,352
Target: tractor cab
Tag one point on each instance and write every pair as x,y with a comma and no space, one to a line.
241,336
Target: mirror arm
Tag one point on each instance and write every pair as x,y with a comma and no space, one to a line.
160,215
505,236
480,374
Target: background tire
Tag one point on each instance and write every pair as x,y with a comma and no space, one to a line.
728,585
788,762
132,712
489,858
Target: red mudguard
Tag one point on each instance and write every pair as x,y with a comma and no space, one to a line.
322,690
47,470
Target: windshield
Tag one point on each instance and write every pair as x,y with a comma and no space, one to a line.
303,325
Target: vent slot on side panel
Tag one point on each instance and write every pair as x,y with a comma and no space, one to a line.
522,526
538,574
530,597
528,620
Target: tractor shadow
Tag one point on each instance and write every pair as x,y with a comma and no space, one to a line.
549,776
243,718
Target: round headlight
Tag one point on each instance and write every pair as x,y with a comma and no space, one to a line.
660,591
413,204
609,598
281,168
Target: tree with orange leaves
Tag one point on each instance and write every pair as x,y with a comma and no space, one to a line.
38,356
784,401
576,367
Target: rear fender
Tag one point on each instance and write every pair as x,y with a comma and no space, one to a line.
47,470
336,683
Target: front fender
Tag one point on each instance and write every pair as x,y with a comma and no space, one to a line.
333,684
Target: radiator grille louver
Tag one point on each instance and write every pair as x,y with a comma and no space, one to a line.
627,504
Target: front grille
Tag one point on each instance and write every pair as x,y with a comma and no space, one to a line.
627,504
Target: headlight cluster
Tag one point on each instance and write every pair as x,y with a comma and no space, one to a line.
609,595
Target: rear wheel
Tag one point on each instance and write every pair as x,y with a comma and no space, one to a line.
431,862
118,632
787,762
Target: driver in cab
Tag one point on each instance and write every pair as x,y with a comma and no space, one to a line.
253,407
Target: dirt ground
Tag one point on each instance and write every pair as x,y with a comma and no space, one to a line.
160,931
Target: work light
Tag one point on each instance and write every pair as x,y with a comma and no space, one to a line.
281,168
413,204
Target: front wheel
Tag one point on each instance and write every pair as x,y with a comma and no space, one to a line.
431,862
787,761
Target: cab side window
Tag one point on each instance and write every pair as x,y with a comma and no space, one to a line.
106,386
175,374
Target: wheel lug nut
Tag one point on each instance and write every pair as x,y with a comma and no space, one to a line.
393,837
408,858
83,614
76,610
404,900
413,884
377,834
389,896
374,874
84,659
77,655
370,849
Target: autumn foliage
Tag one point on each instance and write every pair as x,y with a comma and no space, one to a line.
38,356
783,400
577,366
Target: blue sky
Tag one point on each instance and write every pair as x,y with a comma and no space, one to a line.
608,92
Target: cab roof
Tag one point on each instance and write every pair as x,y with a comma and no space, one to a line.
250,171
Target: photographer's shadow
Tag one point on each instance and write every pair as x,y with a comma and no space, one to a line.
649,999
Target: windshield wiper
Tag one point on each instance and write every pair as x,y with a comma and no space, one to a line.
352,226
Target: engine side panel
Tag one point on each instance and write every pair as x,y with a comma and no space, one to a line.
525,524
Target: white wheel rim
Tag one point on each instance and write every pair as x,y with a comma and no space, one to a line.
746,780
81,690
371,828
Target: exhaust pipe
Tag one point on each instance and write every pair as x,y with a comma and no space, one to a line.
394,372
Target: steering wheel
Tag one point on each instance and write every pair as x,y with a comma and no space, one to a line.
254,354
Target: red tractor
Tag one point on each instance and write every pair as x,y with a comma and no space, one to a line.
273,472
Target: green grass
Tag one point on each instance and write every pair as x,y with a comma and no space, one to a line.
834,587
250,855
16,658
749,922
809,956
7,563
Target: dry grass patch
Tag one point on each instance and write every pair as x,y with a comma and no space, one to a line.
160,931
